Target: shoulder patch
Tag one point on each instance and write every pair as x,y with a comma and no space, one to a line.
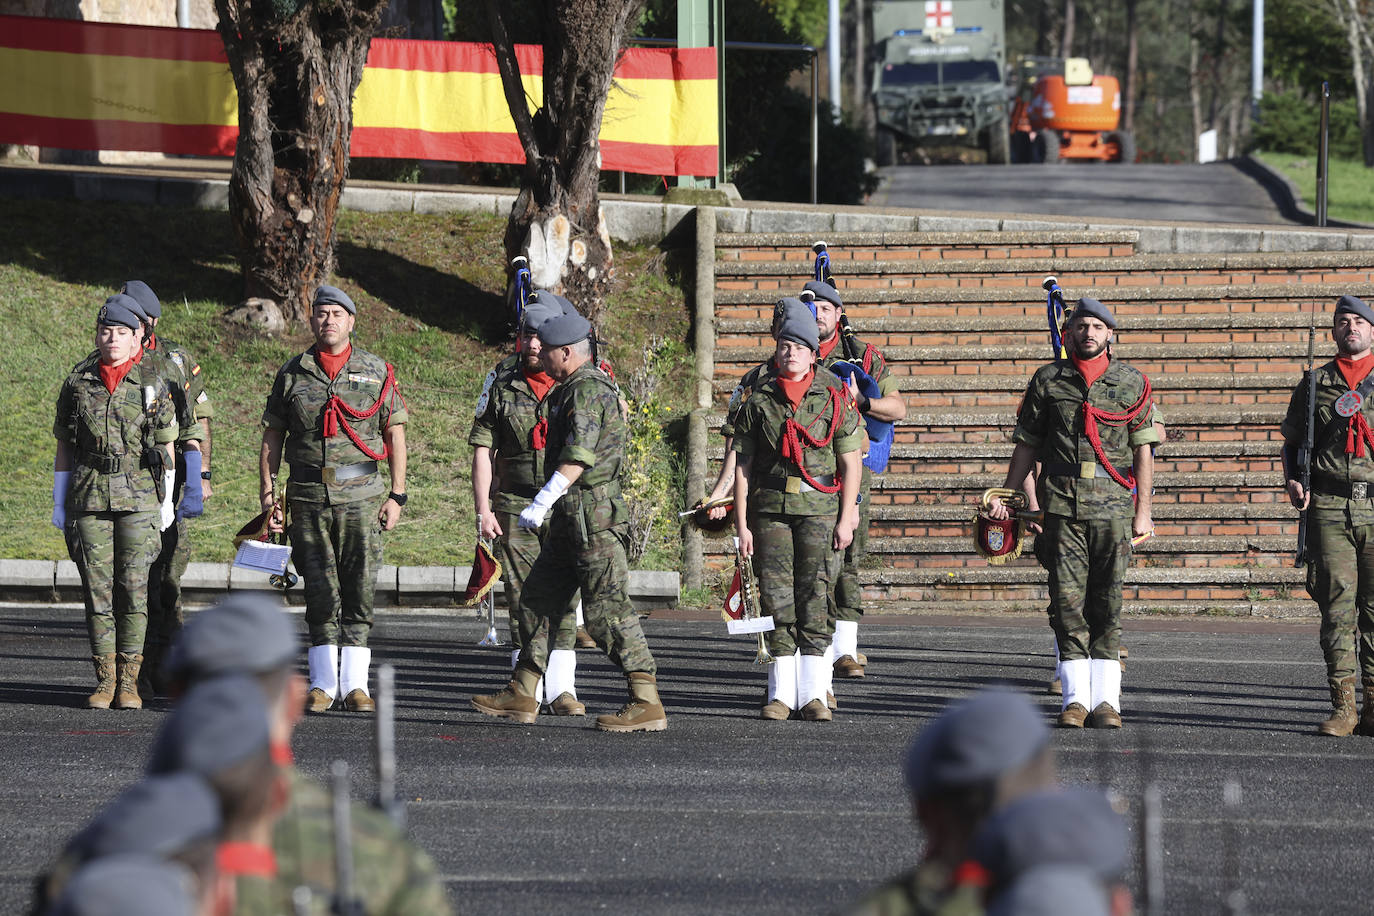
736,398
485,397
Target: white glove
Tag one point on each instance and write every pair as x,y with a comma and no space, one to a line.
169,511
61,481
533,515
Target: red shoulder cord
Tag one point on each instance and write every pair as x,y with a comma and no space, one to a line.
337,413
793,434
1091,416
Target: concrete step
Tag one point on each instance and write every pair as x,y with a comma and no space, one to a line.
1268,608
854,249
958,550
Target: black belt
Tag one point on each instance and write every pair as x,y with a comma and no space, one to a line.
302,474
1086,470
796,484
1358,489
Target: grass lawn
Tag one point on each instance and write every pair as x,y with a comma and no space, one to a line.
1349,185
429,290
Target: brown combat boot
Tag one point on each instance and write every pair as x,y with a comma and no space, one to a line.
516,702
775,710
1367,715
1344,717
1073,716
644,712
848,666
567,705
584,639
318,701
1106,716
104,682
831,702
815,711
127,665
358,701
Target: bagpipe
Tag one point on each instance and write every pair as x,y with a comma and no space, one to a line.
998,540
521,287
857,365
701,518
1056,314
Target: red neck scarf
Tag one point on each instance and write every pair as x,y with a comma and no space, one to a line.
1357,434
796,390
1091,369
332,363
540,382
246,859
1354,371
828,346
113,375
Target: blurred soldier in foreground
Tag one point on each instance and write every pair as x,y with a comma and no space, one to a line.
334,412
980,754
130,885
1340,507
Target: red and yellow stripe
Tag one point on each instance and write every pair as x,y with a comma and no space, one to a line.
81,85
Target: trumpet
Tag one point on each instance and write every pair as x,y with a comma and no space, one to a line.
748,601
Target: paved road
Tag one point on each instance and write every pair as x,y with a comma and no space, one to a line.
1218,192
725,813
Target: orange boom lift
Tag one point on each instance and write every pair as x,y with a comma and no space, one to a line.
1065,111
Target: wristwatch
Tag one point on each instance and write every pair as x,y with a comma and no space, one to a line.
204,475
398,498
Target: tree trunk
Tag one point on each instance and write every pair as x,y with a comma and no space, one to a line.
1066,39
1132,61
1360,39
295,77
1194,90
557,221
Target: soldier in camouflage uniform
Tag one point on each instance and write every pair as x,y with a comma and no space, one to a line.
888,406
250,634
112,480
334,412
510,423
1075,413
1340,507
793,437
588,533
194,411
975,757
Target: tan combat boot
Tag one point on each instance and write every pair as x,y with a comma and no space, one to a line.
567,705
516,702
775,711
104,682
584,639
815,711
127,665
1367,715
644,712
1344,717
1073,716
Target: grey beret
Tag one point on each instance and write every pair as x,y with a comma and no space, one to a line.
1053,890
128,885
1075,826
1090,306
564,330
332,295
245,633
143,294
218,723
1356,307
540,307
797,323
823,290
158,815
975,740
120,310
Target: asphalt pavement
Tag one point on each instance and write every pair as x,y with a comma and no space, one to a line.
1218,192
724,813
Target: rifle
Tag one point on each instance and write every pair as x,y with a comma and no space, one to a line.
1308,442
344,902
386,801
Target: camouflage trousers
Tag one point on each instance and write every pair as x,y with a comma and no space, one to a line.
164,589
849,590
796,567
113,552
1340,578
1087,568
594,562
337,549
517,549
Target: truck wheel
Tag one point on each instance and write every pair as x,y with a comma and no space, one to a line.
887,147
1125,144
1021,147
999,144
1047,146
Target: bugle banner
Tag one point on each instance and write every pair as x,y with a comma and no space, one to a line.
90,85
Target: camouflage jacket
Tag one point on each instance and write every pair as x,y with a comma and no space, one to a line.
759,434
926,890
507,412
1329,459
192,380
109,434
1050,420
587,426
742,393
296,406
157,361
390,875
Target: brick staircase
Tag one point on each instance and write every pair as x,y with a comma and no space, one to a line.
961,318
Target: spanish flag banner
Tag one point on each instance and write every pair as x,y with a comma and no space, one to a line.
86,85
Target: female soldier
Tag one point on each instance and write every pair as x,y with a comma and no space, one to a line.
114,429
798,445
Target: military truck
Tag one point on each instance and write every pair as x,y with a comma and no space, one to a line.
939,75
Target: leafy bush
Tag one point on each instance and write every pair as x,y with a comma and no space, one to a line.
1291,122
